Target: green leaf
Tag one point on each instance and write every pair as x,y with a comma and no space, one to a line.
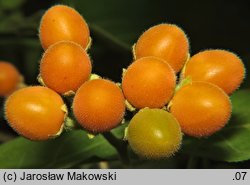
9,23
18,52
11,4
232,143
120,130
63,152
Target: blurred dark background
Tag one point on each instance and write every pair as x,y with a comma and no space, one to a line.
116,25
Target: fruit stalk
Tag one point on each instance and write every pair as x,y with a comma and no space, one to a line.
119,145
192,162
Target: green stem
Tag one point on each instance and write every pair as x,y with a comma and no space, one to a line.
192,162
205,164
4,137
119,145
106,35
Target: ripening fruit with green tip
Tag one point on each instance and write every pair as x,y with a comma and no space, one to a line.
60,23
220,67
36,112
201,108
99,105
166,41
148,82
154,134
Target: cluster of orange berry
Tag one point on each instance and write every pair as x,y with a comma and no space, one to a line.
197,106
39,112
199,103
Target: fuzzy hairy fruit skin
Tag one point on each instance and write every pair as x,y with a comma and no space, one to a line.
201,108
9,78
35,112
99,105
219,67
65,66
154,134
61,22
149,82
166,41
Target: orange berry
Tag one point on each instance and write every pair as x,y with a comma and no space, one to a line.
219,67
148,82
201,108
99,105
35,112
65,66
61,22
166,41
9,78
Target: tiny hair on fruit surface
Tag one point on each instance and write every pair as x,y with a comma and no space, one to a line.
166,41
62,22
65,66
201,108
148,82
154,134
220,67
35,112
99,105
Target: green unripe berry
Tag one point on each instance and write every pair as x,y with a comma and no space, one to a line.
154,134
